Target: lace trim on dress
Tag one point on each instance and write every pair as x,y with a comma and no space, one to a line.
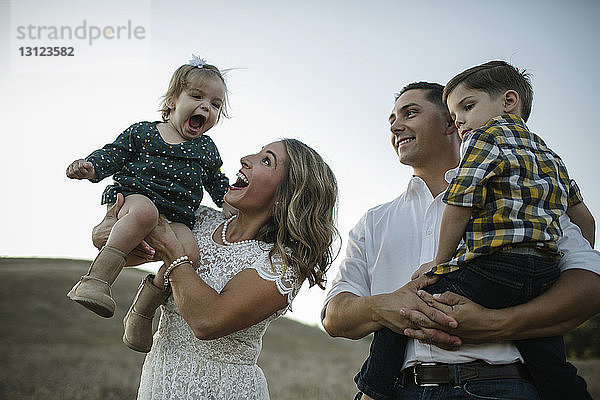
287,280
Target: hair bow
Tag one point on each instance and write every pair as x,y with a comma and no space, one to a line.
197,61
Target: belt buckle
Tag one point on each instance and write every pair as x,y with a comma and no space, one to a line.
415,375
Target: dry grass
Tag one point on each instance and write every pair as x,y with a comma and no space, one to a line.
54,349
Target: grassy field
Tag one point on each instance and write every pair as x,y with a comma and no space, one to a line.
52,348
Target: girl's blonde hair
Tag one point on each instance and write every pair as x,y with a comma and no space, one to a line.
180,81
302,227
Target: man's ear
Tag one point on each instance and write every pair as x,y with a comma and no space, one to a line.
511,102
450,126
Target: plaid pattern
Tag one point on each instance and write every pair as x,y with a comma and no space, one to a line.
516,186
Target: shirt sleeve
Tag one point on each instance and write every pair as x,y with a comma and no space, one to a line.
287,279
113,156
575,196
577,252
217,186
481,161
353,274
216,183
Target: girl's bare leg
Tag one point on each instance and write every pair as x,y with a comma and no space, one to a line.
136,219
143,253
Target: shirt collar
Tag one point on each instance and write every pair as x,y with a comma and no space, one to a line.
451,174
417,186
504,119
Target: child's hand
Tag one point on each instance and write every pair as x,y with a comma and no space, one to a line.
81,169
423,269
229,210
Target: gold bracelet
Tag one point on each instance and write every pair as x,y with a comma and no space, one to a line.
172,266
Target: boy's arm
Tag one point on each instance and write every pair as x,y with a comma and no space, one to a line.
581,216
454,222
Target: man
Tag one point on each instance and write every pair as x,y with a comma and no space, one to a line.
373,289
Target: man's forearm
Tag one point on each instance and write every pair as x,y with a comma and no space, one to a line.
568,303
349,316
354,317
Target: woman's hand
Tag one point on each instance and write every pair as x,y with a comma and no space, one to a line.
141,254
164,241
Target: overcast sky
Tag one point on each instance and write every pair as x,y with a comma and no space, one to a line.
324,72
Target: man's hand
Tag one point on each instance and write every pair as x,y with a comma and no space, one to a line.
81,169
404,309
142,253
472,328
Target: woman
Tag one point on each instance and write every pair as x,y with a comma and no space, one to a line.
252,265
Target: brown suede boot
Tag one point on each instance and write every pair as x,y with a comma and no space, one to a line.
138,321
93,289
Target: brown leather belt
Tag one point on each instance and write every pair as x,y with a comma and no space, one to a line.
434,374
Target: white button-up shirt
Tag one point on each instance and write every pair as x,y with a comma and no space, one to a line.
392,240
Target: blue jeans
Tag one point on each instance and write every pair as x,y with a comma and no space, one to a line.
501,389
498,280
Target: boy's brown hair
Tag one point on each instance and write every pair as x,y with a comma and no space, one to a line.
494,78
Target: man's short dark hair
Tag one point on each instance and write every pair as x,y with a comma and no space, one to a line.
494,78
433,92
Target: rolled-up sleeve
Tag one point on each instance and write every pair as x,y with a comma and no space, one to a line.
577,252
353,274
575,196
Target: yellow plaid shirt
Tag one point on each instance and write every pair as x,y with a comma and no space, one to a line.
517,188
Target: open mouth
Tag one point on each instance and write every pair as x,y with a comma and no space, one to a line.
241,182
196,122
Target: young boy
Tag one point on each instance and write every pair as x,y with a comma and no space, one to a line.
505,202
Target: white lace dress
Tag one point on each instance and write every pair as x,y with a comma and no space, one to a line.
181,366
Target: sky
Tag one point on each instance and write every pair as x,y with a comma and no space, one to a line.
324,72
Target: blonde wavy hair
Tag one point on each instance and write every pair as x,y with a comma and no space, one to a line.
180,81
302,226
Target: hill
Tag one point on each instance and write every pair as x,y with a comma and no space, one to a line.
54,349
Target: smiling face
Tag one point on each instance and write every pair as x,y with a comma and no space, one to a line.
197,108
421,134
256,188
471,109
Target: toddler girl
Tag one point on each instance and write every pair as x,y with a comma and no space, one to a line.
160,168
